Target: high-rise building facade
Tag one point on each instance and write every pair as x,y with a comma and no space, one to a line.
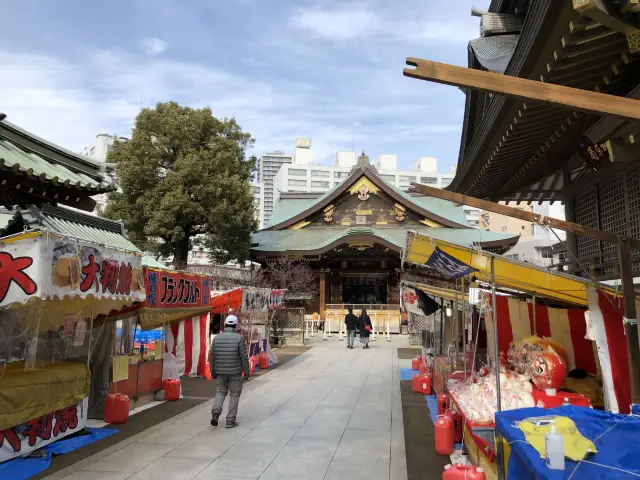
268,166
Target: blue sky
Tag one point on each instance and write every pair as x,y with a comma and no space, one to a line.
284,69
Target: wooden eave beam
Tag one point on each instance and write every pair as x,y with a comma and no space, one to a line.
571,98
597,11
522,215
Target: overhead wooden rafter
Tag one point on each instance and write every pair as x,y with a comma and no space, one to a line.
571,98
621,21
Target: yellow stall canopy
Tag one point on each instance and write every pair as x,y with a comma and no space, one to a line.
25,395
453,260
445,293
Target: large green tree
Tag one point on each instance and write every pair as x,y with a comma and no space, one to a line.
184,178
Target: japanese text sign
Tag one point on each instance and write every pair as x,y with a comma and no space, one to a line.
167,289
34,434
34,264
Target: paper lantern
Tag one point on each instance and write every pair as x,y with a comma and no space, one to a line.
548,370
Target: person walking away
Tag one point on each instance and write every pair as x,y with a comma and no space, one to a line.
229,360
365,328
351,322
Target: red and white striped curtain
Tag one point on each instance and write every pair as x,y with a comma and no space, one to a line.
188,341
606,326
565,326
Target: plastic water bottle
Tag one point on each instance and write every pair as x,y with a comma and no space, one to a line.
566,402
554,449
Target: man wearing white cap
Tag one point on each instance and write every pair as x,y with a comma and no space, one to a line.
229,360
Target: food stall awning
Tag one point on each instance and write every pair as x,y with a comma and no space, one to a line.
73,276
224,302
445,293
455,261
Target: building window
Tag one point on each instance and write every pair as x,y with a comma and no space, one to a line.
321,173
340,174
297,183
546,253
514,256
297,172
388,178
429,180
403,178
361,219
320,184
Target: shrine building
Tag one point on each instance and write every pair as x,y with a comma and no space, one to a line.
352,237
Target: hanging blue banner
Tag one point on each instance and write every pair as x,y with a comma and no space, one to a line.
448,266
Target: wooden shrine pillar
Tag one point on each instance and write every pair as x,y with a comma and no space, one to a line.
323,292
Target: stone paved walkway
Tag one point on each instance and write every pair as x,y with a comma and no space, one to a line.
331,413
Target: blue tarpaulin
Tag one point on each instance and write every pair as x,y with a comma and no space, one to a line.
25,467
615,437
407,373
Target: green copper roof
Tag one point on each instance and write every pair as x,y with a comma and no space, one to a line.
149,261
306,239
15,158
69,222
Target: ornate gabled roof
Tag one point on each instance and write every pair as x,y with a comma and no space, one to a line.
440,211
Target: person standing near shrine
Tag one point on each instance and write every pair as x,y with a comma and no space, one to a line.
229,360
364,327
351,322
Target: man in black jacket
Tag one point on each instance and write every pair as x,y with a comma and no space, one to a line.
350,320
229,360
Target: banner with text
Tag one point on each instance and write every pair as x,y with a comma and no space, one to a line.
171,289
47,266
34,434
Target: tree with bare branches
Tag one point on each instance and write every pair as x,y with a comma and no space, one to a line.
288,274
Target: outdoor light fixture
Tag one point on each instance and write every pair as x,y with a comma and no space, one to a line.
448,311
474,292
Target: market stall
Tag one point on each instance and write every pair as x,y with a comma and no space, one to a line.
252,306
533,346
53,292
173,319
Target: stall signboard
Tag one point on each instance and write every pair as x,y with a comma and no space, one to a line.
47,266
22,439
170,289
276,298
255,299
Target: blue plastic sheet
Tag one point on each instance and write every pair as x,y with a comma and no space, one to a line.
615,437
432,405
407,373
24,467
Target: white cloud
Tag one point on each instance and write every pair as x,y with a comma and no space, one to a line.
153,45
360,22
69,101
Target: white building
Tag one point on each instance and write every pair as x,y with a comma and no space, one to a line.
268,166
320,178
258,202
99,147
98,150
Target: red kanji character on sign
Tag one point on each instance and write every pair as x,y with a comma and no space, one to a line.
109,276
39,428
71,416
90,271
12,438
12,270
124,279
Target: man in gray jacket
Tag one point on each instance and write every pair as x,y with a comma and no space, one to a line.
229,360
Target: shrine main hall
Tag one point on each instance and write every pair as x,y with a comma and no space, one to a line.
353,235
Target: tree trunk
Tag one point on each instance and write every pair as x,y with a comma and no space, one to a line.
180,255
